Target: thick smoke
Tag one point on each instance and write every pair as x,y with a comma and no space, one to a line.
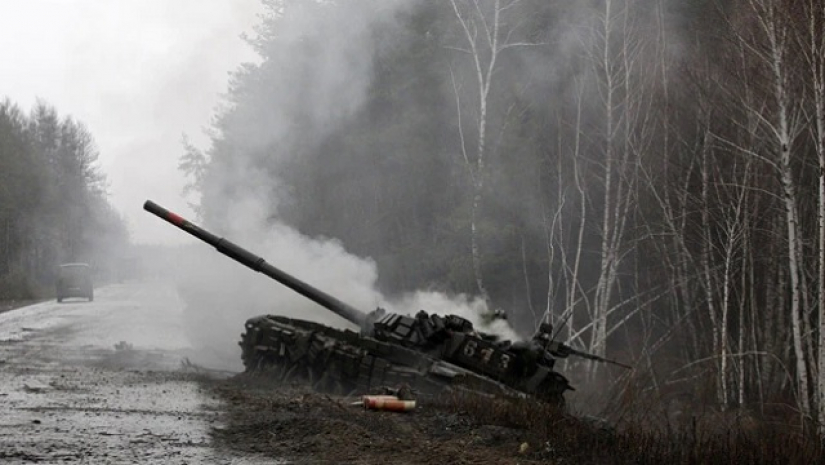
220,294
324,87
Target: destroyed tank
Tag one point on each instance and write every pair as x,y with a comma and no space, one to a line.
428,353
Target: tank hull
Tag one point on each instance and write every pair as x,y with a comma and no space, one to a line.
348,363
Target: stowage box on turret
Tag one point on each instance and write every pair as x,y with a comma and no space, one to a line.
427,352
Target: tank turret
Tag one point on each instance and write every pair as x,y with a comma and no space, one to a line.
427,352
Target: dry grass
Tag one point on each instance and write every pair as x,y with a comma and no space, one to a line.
557,436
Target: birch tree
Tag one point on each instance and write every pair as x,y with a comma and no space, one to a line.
813,50
571,266
817,64
614,58
486,35
783,125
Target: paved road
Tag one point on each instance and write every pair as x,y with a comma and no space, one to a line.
104,382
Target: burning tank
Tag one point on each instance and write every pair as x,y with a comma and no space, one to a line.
428,353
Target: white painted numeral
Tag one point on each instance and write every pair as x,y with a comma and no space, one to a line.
470,348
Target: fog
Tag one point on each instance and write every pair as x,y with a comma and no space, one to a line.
138,73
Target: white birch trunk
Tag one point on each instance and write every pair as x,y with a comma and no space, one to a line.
575,286
484,62
796,316
789,197
602,292
776,33
820,123
723,327
817,65
707,274
745,270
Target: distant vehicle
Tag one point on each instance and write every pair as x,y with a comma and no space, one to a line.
74,280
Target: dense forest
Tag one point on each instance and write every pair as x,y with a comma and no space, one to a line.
53,204
645,174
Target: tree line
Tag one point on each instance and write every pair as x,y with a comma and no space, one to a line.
646,175
53,201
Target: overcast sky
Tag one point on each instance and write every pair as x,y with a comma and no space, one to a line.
138,73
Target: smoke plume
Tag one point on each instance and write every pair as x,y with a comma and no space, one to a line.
319,88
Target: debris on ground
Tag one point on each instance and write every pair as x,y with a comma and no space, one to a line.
35,388
187,366
391,399
385,402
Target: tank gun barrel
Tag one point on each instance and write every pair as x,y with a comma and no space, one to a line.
260,265
560,350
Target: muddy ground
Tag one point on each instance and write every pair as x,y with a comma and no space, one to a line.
81,404
294,423
94,383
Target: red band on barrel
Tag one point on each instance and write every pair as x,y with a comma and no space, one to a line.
176,219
